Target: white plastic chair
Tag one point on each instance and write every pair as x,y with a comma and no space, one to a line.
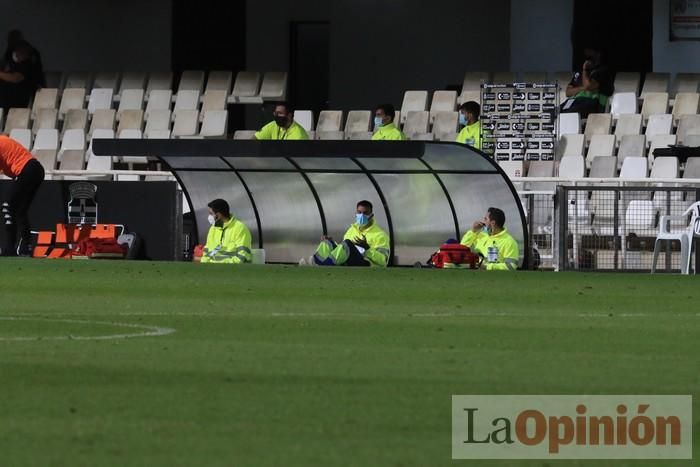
23,136
569,124
214,124
413,101
686,236
100,99
305,118
623,103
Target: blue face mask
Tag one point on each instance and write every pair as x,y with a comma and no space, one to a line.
462,119
378,123
362,219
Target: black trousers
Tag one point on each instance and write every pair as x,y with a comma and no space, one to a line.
15,206
355,258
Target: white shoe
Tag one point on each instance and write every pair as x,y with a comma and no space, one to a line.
311,261
302,262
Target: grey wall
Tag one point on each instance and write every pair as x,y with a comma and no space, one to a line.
93,35
679,56
540,35
380,49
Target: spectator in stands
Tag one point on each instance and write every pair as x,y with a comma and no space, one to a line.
283,127
18,163
384,127
18,78
469,117
229,239
364,243
490,239
591,98
14,38
589,90
592,60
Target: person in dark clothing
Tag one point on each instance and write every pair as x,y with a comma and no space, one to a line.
589,89
18,78
14,39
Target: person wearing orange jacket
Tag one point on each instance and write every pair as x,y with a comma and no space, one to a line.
27,174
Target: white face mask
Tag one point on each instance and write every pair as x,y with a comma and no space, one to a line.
211,219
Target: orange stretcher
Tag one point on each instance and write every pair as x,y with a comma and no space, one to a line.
62,242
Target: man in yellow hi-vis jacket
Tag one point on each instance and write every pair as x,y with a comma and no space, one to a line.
229,239
364,243
490,239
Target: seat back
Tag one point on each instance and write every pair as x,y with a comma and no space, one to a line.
247,84
73,98
634,167
131,99
570,145
214,124
274,86
330,120
598,124
659,124
416,122
219,81
628,124
573,166
623,103
17,118
358,121
305,118
100,99
686,104
185,123
569,124
413,101
655,103
665,167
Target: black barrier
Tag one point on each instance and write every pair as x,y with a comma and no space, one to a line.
150,209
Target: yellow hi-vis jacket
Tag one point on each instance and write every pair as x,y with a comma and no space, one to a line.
388,132
378,240
229,243
508,252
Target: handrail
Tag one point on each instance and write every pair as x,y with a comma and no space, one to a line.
157,173
686,181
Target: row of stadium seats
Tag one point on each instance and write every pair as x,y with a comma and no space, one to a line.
622,147
630,124
74,152
654,103
249,86
605,167
181,123
250,83
624,81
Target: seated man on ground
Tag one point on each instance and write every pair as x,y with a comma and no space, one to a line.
490,239
469,117
283,127
384,127
364,243
229,239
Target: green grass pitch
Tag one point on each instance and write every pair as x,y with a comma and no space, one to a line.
289,366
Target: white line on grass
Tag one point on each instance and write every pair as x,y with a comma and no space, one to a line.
148,331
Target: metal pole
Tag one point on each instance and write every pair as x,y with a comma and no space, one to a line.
562,248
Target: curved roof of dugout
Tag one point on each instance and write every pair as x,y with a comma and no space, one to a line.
289,193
